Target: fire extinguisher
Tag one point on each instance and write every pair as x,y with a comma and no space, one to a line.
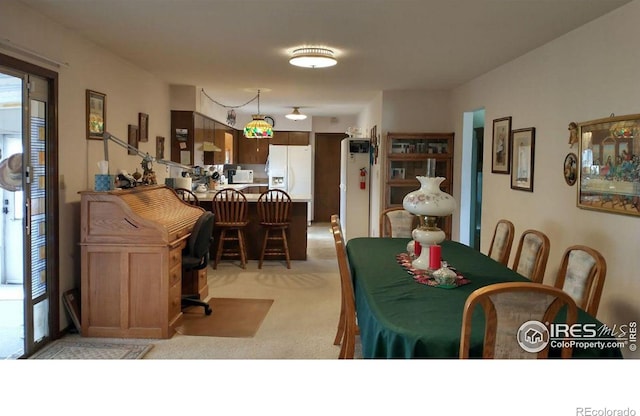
363,178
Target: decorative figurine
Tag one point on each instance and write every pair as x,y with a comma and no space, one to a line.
573,133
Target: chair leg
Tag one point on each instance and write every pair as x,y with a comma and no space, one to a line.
264,247
220,247
340,332
243,253
286,247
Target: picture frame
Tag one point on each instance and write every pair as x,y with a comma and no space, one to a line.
523,151
159,147
132,138
500,146
397,173
609,165
96,114
71,301
570,169
143,126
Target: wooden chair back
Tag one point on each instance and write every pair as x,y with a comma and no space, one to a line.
532,255
500,248
187,196
230,207
274,207
507,306
347,347
397,222
582,273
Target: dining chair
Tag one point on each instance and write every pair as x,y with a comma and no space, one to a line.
274,212
397,222
500,247
514,317
347,327
582,273
532,255
187,196
231,211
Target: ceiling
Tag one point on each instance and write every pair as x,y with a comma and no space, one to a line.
232,48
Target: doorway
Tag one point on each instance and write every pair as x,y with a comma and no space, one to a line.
28,226
471,178
326,183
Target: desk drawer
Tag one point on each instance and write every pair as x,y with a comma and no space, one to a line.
175,257
175,300
175,275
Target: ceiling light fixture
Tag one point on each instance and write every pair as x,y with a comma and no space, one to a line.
258,128
296,115
313,57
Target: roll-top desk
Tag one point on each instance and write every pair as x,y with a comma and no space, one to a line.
131,244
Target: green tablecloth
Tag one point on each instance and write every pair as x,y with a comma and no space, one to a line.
400,318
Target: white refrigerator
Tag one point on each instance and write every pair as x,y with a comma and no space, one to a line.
289,168
354,201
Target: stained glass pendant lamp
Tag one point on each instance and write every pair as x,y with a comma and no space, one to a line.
258,128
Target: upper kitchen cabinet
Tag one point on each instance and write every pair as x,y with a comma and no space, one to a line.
253,151
194,136
290,138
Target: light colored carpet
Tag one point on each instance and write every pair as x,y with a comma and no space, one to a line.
65,349
301,323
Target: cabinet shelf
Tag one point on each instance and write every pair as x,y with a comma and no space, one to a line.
407,157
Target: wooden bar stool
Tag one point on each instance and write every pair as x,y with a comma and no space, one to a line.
230,209
274,211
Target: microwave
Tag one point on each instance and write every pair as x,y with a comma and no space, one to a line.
240,176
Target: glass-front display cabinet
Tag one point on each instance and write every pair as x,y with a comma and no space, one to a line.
418,154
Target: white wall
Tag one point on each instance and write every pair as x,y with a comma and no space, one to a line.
587,74
129,91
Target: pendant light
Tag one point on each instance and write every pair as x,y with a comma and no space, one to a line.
296,115
258,128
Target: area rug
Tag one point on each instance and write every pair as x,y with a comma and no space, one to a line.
231,317
82,350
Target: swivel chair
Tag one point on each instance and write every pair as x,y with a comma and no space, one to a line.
195,255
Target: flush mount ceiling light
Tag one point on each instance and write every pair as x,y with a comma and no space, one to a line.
258,128
313,57
296,115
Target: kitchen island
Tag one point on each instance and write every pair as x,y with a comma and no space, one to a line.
254,233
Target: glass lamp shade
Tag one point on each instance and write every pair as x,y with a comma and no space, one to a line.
428,202
258,128
313,57
296,115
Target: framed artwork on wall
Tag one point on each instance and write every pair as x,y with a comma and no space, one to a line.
159,147
96,113
570,169
522,158
609,165
500,152
143,125
132,138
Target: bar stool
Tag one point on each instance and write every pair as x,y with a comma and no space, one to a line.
274,211
230,209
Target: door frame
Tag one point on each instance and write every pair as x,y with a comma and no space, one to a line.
52,202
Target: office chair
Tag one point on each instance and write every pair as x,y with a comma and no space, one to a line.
195,255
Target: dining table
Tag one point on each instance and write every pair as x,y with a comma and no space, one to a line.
399,317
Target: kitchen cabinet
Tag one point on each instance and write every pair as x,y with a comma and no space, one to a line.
253,151
291,138
407,157
191,132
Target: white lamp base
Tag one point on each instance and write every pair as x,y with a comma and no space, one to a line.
426,236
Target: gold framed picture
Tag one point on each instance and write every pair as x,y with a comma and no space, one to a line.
96,112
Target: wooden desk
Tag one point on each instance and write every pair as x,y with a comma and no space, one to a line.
400,318
131,267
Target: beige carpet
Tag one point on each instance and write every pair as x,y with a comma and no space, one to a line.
91,350
231,317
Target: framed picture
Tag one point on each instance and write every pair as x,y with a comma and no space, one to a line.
500,145
159,147
609,165
143,125
397,173
133,138
522,158
96,114
71,301
570,169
